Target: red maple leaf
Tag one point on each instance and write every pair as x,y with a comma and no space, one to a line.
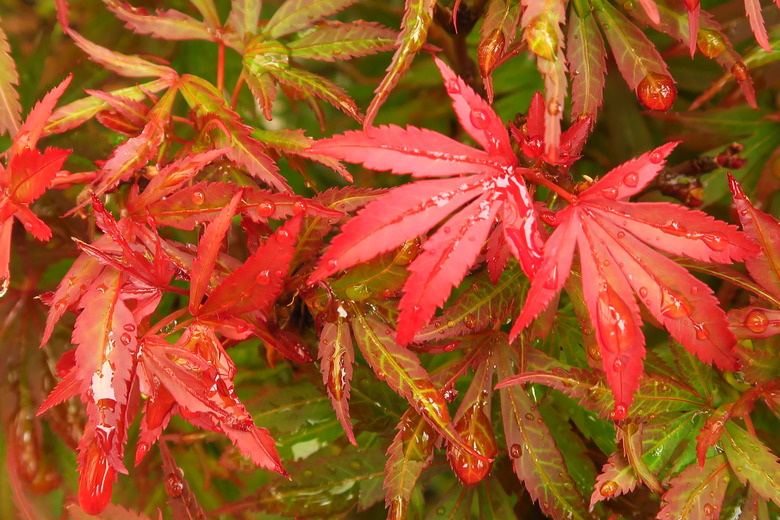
615,239
474,186
27,175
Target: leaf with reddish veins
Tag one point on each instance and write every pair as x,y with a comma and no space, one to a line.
31,172
311,84
168,24
330,41
256,284
418,16
295,15
208,249
443,263
337,355
10,108
617,478
587,61
752,461
757,24
70,386
697,493
244,16
764,229
402,371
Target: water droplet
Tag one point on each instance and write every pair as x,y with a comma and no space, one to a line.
694,290
173,485
740,71
263,277
4,287
553,108
140,451
355,464
299,207
515,450
551,282
358,292
453,86
608,488
548,217
470,321
673,305
266,208
710,43
594,351
657,92
530,416
715,241
701,332
125,339
620,412
129,327
610,193
440,511
283,235
446,229
631,180
757,321
28,226
198,198
479,118
708,509
619,365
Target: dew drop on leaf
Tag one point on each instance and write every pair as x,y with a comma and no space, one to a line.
610,193
125,339
198,198
715,241
701,332
643,292
740,71
266,208
355,464
756,321
141,450
283,235
530,416
608,488
594,351
657,92
299,207
515,450
479,118
708,509
469,321
4,286
710,43
452,86
621,410
129,327
673,305
174,487
440,511
619,365
263,277
631,180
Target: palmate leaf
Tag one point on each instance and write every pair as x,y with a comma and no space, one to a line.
332,41
752,462
402,371
10,108
697,493
617,263
410,210
418,16
535,457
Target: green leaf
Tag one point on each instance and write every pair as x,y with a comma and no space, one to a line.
341,41
668,442
418,16
402,371
752,462
385,273
168,24
455,504
586,55
10,108
244,16
479,306
295,15
337,356
697,493
535,457
494,502
318,486
692,371
311,84
758,365
617,478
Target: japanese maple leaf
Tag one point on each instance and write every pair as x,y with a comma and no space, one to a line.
26,176
474,186
615,239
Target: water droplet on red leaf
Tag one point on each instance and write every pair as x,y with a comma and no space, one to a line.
96,481
619,365
631,180
594,351
615,324
515,450
129,327
263,277
608,488
710,43
643,292
283,235
657,92
715,241
125,339
701,332
140,451
469,321
198,198
173,485
757,321
620,412
673,305
479,118
740,71
299,207
266,208
610,193
452,86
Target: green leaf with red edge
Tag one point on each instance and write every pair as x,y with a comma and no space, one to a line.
10,108
587,61
536,460
319,487
402,371
136,152
330,41
636,57
410,453
617,478
666,442
752,462
337,355
617,264
105,333
764,229
497,33
168,24
418,16
697,493
245,151
295,15
208,249
208,10
244,16
295,142
478,307
257,283
692,372
759,365
77,112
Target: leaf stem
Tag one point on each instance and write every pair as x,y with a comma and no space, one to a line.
221,67
237,91
539,178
